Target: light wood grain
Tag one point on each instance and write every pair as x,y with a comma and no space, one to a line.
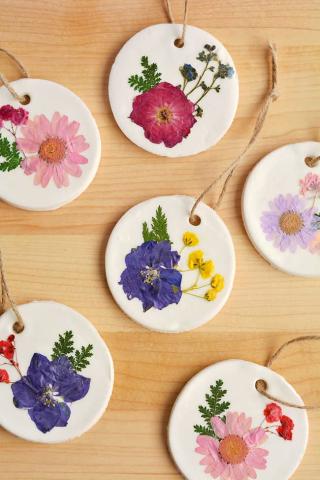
60,255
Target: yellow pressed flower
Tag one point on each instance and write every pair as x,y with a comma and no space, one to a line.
190,239
217,282
211,295
195,259
206,269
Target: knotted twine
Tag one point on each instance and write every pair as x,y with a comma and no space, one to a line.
270,97
18,326
262,386
23,99
179,42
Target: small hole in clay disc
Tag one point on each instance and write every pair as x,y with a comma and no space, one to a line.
195,220
179,43
18,328
312,161
261,385
26,100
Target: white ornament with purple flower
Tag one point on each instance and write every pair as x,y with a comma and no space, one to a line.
164,272
281,208
56,376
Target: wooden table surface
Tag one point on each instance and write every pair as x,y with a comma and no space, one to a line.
60,255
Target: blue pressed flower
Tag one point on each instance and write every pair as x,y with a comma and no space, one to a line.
188,72
150,275
225,71
47,389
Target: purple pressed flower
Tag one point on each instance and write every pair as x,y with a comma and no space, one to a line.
46,390
288,223
150,275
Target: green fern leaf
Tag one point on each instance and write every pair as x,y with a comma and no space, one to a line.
159,228
80,359
10,154
64,346
215,407
149,78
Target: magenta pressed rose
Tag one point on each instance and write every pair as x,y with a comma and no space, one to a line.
165,114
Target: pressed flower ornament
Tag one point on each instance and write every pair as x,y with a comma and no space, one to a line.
281,208
237,420
56,373
173,95
174,271
49,143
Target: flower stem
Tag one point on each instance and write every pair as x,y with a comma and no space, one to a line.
192,294
215,77
199,79
195,287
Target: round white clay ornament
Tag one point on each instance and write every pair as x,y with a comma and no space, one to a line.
173,101
56,376
281,209
221,427
50,148
165,273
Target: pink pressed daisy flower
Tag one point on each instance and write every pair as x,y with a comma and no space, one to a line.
235,454
52,149
165,114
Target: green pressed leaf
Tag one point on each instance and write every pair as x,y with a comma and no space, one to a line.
80,359
64,346
159,228
149,78
10,155
215,407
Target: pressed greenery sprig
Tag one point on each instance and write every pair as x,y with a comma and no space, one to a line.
10,154
149,78
216,406
159,228
65,347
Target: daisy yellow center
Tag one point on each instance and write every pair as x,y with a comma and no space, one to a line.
164,115
291,222
53,150
233,449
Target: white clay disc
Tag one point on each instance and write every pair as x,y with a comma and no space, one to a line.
281,209
59,146
57,401
154,105
151,279
243,447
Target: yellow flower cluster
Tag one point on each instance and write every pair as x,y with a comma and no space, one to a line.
217,284
196,261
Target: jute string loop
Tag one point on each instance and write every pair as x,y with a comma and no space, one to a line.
6,83
179,41
262,386
270,97
18,326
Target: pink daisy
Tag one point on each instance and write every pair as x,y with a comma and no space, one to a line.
52,149
165,114
235,455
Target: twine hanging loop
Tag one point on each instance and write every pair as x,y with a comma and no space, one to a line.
18,326
262,386
270,97
179,42
23,99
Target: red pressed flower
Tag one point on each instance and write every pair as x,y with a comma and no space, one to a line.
272,412
4,377
6,112
165,114
19,116
286,427
7,349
